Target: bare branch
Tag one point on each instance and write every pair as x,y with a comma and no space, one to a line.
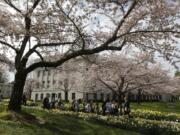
41,57
9,45
148,31
114,36
35,4
72,55
104,83
75,25
144,85
31,51
12,5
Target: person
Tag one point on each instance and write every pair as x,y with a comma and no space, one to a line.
88,107
61,107
116,111
97,108
126,106
73,102
33,103
60,104
76,106
108,107
53,101
92,106
84,104
24,99
113,108
46,104
103,108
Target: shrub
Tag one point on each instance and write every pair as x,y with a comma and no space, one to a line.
155,115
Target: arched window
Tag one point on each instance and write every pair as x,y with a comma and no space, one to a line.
42,96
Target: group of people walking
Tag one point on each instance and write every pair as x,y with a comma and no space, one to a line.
105,108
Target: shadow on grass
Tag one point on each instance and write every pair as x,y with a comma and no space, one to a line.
66,125
40,122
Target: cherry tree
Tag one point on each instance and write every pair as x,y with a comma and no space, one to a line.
72,28
121,75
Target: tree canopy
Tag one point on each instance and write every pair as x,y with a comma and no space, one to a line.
72,28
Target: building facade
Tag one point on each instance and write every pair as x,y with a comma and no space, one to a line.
65,82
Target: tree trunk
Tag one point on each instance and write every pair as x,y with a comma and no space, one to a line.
17,93
139,97
120,103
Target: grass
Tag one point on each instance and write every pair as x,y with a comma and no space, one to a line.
55,124
158,106
48,123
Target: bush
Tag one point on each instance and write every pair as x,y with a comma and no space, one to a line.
155,115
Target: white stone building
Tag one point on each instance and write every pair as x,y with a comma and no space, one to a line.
66,82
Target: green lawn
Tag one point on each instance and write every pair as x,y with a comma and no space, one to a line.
158,106
48,123
55,124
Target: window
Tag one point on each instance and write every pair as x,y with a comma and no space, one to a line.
59,95
73,96
38,74
47,95
43,84
54,81
36,97
42,96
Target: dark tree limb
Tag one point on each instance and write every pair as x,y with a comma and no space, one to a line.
114,36
33,49
35,4
148,31
72,55
9,45
12,5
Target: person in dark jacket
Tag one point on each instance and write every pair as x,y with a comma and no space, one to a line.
24,100
46,104
103,108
